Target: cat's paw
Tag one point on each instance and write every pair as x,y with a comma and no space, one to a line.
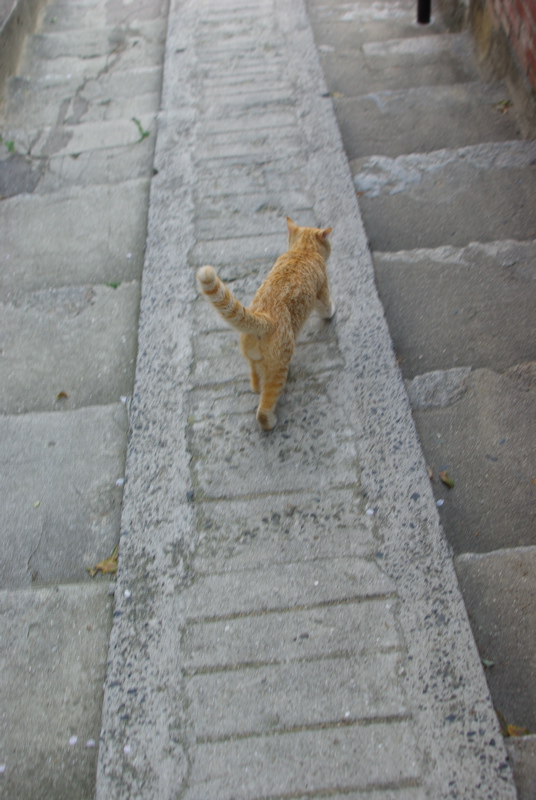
266,419
330,311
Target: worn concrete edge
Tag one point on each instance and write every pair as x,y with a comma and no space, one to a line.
18,19
432,613
142,751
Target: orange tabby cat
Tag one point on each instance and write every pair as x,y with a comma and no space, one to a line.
296,284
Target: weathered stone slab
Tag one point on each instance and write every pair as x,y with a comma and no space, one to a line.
385,752
477,193
90,43
244,701
72,100
72,140
500,596
80,341
485,441
457,307
280,637
36,252
61,504
423,119
53,656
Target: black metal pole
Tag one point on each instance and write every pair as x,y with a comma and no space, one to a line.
423,11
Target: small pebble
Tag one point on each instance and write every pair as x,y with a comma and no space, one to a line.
127,592
127,749
369,512
73,740
439,503
90,743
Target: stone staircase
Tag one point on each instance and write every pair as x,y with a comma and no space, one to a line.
78,133
447,190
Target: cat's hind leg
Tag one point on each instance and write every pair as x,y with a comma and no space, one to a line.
324,304
254,378
272,386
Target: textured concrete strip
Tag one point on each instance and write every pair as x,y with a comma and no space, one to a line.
288,462
112,218
237,250
218,359
77,340
501,598
60,513
325,691
279,529
284,586
210,229
352,426
52,660
460,285
282,765
346,629
413,193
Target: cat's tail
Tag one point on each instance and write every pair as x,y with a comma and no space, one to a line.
228,306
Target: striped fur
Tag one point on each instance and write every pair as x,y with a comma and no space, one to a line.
296,284
229,307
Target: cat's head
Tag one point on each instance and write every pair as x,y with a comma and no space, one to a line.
318,235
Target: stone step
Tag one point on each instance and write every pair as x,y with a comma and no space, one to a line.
61,504
99,49
73,237
73,99
345,26
483,436
79,341
498,588
54,648
62,15
424,119
399,64
454,307
448,197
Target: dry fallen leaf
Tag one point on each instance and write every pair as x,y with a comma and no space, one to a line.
510,730
107,567
62,396
447,480
515,730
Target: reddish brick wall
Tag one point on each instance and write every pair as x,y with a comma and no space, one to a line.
518,20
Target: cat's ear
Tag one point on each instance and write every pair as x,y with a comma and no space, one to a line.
325,233
293,230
